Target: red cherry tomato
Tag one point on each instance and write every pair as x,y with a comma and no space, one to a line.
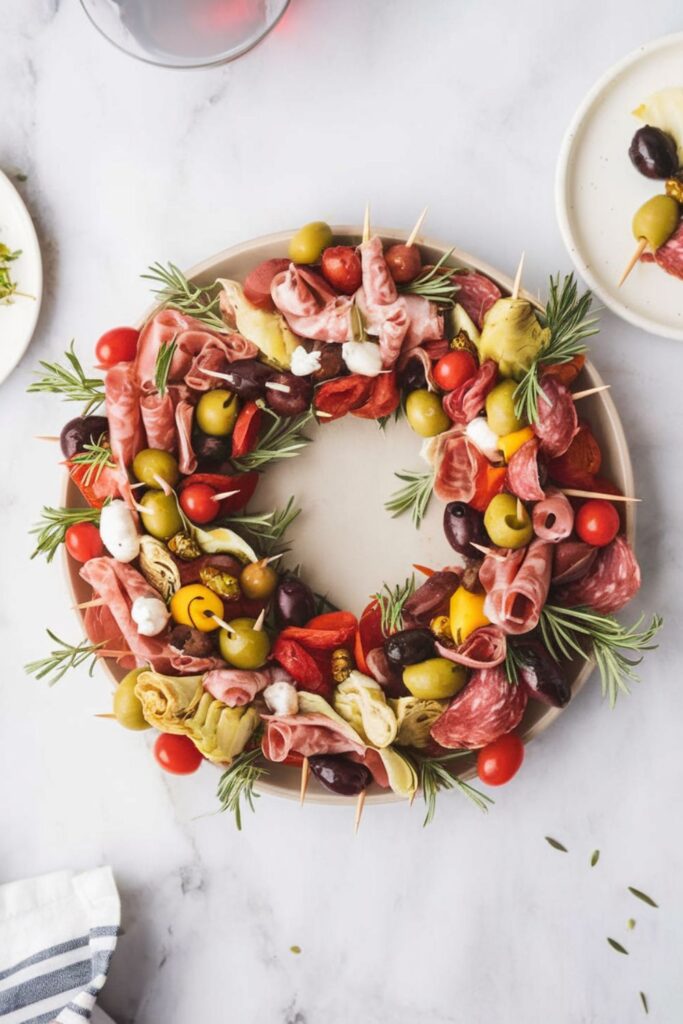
117,346
341,267
176,754
454,369
497,762
199,504
258,281
83,542
597,522
404,262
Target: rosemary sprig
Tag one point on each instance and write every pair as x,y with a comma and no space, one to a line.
514,660
8,286
62,658
237,782
433,775
53,524
566,314
564,629
96,457
639,894
391,601
435,284
414,497
266,531
163,365
202,303
282,440
70,382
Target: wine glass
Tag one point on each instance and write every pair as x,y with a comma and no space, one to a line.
184,33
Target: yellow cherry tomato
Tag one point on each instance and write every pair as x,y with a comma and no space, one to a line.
466,614
196,606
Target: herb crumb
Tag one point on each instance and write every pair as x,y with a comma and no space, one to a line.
617,945
595,857
631,923
643,999
295,949
639,894
556,844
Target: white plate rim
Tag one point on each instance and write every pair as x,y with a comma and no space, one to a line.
561,185
29,241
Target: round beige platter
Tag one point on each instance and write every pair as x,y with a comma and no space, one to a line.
348,445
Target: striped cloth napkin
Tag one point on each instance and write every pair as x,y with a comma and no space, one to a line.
57,936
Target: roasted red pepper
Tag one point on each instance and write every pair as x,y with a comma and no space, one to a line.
337,397
566,373
99,488
246,431
383,400
302,666
580,463
489,482
369,635
243,483
324,632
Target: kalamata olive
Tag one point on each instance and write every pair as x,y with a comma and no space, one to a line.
247,378
412,377
293,402
653,153
389,677
463,526
81,431
192,642
339,775
404,262
430,599
331,362
409,646
294,602
542,676
210,450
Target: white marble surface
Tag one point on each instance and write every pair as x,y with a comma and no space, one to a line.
462,106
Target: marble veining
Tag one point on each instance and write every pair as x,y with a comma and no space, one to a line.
461,106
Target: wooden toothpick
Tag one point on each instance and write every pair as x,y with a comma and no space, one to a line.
360,804
258,625
223,494
163,484
366,223
305,773
573,492
590,391
521,511
640,249
45,437
221,622
418,224
489,552
276,386
518,278
96,602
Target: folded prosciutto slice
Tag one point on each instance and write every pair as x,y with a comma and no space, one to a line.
522,477
485,647
378,284
516,585
158,419
197,348
487,707
457,462
308,735
467,401
310,307
553,517
122,404
235,686
610,583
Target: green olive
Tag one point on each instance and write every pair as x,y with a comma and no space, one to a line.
656,220
307,245
152,465
258,580
434,679
508,525
500,409
161,517
242,645
216,412
127,706
425,414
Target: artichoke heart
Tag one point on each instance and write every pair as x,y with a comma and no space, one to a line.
314,704
222,541
400,772
512,337
220,733
158,567
415,718
361,701
269,331
168,700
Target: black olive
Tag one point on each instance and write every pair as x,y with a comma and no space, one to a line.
247,378
294,602
412,377
292,402
340,775
210,450
653,153
542,676
463,525
331,362
192,642
81,431
409,646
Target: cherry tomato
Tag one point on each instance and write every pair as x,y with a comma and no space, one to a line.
176,754
404,262
83,542
118,345
199,504
597,522
341,267
497,762
454,369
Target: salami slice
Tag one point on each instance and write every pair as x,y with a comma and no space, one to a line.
553,517
516,586
557,424
670,255
476,295
572,560
467,401
522,476
430,599
486,647
611,582
457,464
488,707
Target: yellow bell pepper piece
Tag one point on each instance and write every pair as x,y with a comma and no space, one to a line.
466,614
510,443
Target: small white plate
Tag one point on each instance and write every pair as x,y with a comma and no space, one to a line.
597,190
18,320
